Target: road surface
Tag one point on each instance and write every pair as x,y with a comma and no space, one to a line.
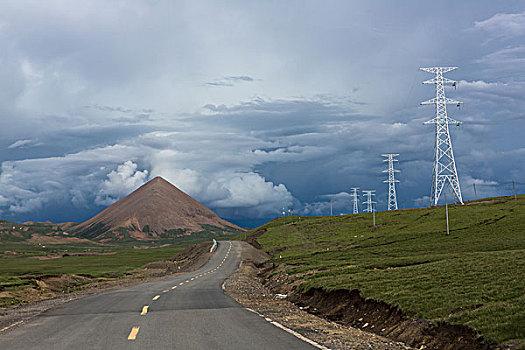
184,312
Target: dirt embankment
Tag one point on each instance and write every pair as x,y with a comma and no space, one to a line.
191,258
348,307
247,288
252,239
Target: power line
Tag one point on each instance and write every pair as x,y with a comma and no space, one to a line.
444,170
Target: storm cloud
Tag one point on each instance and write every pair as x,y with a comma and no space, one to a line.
250,108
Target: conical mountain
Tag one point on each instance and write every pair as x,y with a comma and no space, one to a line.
156,209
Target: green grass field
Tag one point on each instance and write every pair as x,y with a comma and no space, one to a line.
20,272
124,259
474,276
25,263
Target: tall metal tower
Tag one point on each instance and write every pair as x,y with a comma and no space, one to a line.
369,203
392,199
356,199
444,164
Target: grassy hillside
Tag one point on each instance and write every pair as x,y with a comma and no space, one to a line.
474,276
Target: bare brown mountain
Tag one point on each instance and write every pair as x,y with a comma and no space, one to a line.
156,209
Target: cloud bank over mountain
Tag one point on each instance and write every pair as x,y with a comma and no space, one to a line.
250,108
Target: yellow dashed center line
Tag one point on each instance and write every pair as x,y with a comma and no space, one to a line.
144,310
135,330
133,334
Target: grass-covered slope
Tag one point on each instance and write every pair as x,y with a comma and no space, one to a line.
475,276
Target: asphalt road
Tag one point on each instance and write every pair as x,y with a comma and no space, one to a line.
185,312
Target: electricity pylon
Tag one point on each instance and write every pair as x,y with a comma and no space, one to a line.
356,200
369,203
444,169
392,199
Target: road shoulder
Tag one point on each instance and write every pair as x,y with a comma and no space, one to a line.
248,290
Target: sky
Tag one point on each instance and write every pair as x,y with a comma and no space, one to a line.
252,106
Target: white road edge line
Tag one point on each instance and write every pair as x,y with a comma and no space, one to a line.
286,329
292,332
11,326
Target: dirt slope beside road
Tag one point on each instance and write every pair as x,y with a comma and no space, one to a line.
247,289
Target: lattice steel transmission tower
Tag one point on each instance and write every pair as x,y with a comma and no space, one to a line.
369,203
392,198
444,169
356,199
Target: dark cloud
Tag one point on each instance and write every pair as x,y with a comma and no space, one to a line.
91,111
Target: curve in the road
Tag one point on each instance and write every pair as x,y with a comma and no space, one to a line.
135,329
188,311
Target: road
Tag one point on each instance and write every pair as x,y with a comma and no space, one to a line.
189,311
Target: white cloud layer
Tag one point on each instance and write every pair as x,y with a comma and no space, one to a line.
504,24
120,183
19,143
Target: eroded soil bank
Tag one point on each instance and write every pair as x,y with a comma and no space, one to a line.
247,288
349,308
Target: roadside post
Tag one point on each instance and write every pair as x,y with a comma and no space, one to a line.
213,246
446,213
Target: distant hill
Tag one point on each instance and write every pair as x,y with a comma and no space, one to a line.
156,210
